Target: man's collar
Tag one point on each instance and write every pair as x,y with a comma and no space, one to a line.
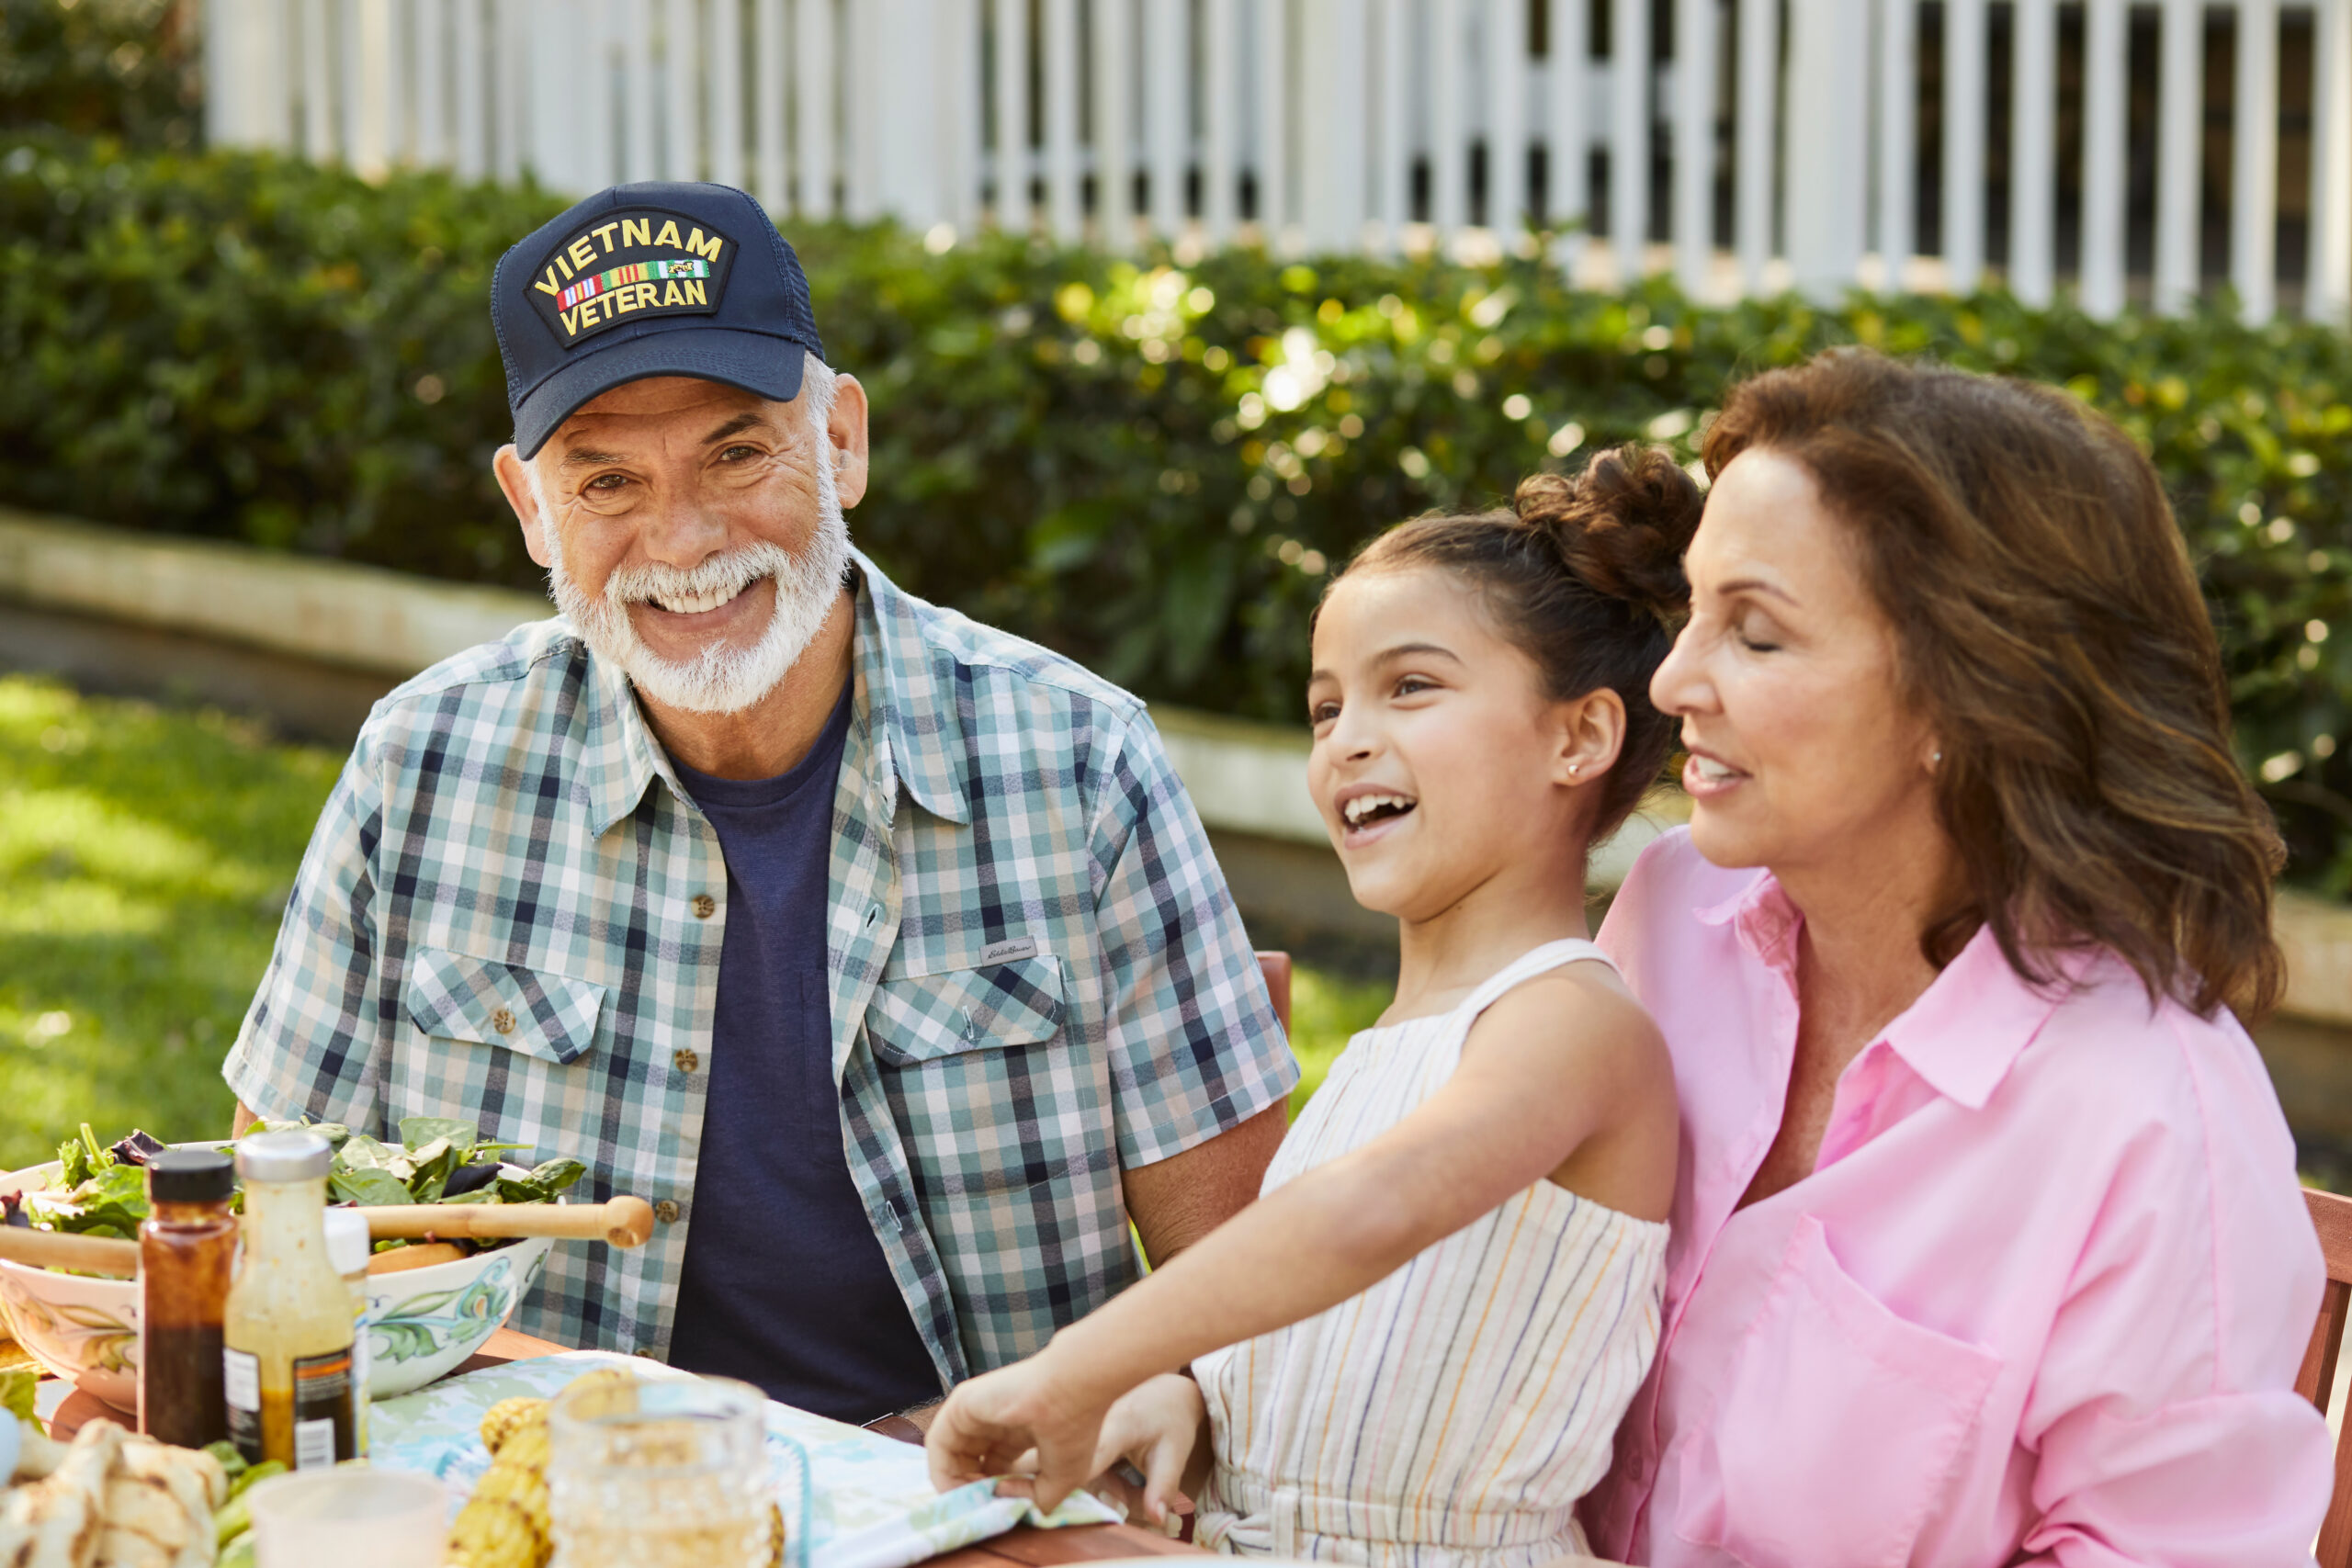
914,699
907,700
1966,1031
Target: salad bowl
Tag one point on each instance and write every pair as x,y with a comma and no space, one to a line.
422,1323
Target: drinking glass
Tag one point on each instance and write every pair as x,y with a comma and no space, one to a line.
351,1517
668,1473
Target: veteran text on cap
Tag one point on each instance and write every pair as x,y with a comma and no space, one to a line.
658,279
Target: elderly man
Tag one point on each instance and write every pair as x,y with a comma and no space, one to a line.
880,950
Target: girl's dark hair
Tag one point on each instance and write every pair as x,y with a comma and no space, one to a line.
2049,626
1584,576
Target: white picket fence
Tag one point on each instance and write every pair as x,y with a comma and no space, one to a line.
1320,125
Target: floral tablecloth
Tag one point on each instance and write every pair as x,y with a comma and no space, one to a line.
872,1506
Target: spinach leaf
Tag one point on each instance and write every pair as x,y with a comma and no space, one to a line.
416,1131
360,1152
549,1178
430,1168
334,1133
367,1187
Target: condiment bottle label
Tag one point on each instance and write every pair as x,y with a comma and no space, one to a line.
240,1381
323,1430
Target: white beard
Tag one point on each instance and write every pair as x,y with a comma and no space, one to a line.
718,679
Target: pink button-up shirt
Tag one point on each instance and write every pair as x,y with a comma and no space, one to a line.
2042,1299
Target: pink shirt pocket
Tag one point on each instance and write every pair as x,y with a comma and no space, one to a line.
1838,1425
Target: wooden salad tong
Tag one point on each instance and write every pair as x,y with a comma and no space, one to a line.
625,1222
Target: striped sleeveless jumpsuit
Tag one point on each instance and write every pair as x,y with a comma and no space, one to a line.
1450,1416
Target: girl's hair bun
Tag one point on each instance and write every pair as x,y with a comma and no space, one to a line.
1621,525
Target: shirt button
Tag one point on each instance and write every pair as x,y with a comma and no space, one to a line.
874,915
503,1022
705,906
666,1211
686,1061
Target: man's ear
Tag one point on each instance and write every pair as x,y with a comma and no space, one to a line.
845,430
516,480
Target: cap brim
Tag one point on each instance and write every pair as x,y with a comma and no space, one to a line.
761,364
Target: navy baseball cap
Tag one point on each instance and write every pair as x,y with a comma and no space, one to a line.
659,278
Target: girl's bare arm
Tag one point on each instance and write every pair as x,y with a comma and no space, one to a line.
1551,1063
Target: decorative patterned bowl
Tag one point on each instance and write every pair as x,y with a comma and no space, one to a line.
422,1322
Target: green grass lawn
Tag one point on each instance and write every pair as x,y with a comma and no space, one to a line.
145,858
145,855
1325,1010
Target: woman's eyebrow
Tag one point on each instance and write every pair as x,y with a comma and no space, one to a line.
1756,585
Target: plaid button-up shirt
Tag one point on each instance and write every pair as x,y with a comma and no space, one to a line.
511,912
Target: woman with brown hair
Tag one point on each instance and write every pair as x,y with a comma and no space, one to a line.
1987,1248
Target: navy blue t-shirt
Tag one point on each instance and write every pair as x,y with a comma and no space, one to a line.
785,1285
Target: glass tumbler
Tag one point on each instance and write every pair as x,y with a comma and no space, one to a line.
671,1473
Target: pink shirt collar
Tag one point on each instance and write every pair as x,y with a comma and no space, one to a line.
1967,1026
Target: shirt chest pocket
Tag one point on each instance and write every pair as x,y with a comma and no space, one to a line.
553,1017
1838,1428
930,1017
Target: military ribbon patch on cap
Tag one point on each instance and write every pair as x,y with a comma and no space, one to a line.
631,264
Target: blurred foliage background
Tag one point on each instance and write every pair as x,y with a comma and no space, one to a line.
124,68
1151,467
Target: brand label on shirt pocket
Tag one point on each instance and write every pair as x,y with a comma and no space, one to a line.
453,996
922,1018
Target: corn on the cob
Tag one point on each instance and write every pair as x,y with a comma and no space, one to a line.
526,1448
504,1523
494,1532
507,1415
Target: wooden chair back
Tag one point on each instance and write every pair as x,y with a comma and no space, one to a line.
2332,1217
1275,967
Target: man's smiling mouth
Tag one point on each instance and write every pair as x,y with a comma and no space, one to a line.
700,603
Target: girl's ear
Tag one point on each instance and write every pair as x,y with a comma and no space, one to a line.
1592,731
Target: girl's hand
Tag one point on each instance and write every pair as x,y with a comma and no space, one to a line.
1154,1428
989,1426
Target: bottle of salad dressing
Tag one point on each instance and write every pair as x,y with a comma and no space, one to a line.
287,1334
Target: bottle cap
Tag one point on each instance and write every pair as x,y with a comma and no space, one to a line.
190,1175
290,1156
348,1243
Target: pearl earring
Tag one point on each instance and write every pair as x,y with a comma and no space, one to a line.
1575,768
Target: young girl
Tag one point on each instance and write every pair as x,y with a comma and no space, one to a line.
1416,1345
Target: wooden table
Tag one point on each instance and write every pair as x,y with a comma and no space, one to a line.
1023,1546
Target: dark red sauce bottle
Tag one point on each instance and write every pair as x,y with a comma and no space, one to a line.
186,1248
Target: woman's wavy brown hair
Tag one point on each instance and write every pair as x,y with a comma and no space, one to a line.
2050,627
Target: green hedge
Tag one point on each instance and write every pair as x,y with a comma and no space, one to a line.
1149,467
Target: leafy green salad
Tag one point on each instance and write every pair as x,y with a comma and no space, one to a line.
101,1189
